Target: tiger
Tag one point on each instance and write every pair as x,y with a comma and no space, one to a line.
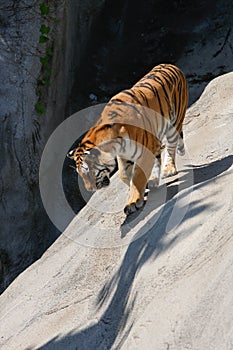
132,129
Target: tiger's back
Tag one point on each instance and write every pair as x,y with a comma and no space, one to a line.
164,89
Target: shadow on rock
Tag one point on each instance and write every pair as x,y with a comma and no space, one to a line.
116,321
191,179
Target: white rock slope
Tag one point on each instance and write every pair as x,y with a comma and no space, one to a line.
162,280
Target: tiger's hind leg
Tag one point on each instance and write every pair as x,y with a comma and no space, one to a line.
155,173
169,167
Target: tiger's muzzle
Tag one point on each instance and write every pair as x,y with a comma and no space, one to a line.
103,183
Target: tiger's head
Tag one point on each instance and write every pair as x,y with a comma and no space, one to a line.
94,166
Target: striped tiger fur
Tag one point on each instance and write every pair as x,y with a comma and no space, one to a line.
132,127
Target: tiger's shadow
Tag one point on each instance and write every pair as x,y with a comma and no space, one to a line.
117,293
191,178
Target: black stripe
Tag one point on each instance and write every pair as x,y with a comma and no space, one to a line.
127,92
160,81
161,130
88,142
144,97
135,151
174,71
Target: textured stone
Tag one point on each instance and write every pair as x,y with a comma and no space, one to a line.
25,228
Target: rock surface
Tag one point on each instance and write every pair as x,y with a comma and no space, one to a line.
23,234
25,230
160,280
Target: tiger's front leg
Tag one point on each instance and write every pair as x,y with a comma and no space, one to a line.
125,169
137,187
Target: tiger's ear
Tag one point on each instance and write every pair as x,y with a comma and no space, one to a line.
71,154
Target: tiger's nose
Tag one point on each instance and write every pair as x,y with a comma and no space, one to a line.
105,181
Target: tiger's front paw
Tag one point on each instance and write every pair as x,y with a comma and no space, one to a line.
168,171
132,207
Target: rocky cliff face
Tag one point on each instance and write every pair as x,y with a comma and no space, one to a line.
25,228
99,47
22,229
